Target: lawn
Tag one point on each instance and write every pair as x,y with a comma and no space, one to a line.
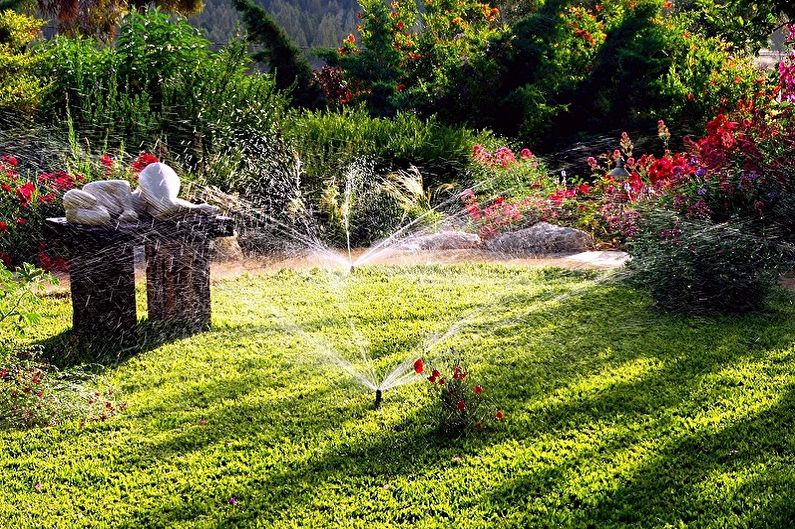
616,415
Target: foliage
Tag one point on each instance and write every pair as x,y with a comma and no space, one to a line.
747,25
462,404
20,87
290,68
420,59
696,265
19,295
160,87
616,415
101,18
328,142
569,70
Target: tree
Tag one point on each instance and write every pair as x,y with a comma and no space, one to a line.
290,68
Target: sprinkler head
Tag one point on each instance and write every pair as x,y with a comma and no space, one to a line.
378,398
353,269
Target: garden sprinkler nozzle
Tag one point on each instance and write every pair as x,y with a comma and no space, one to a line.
353,269
378,398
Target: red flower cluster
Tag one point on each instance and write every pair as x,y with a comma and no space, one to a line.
144,159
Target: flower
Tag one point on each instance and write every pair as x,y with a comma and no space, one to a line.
461,405
525,154
21,221
435,373
38,486
478,389
25,193
142,161
499,415
3,226
419,366
232,501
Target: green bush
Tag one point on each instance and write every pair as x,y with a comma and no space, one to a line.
328,142
697,266
160,87
20,87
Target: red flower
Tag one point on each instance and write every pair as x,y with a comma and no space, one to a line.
7,188
39,394
419,366
10,160
458,373
25,193
142,161
478,389
432,379
442,382
461,405
400,87
435,373
3,373
21,221
3,226
499,415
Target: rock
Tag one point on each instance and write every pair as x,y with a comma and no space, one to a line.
444,240
541,238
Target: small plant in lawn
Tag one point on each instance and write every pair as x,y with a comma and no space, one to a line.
32,392
463,405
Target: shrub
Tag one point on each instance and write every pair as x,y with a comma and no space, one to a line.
463,405
160,87
696,265
20,87
328,142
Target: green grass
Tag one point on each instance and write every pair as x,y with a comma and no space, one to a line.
616,415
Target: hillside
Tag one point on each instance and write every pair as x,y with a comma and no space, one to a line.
311,23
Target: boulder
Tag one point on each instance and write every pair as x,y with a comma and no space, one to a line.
444,240
541,238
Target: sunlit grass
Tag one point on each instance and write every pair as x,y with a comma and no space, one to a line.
616,415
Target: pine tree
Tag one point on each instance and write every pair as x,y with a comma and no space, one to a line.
291,69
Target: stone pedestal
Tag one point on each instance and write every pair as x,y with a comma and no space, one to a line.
102,275
178,282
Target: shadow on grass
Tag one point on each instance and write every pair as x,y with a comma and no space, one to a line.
68,349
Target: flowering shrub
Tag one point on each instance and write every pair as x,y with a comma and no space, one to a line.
26,201
406,58
463,405
526,195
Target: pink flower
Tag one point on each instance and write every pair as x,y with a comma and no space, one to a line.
38,486
592,163
525,154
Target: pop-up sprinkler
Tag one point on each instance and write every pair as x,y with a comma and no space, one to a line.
353,269
378,398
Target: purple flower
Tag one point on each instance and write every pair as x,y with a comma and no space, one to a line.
701,192
701,172
459,36
232,501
